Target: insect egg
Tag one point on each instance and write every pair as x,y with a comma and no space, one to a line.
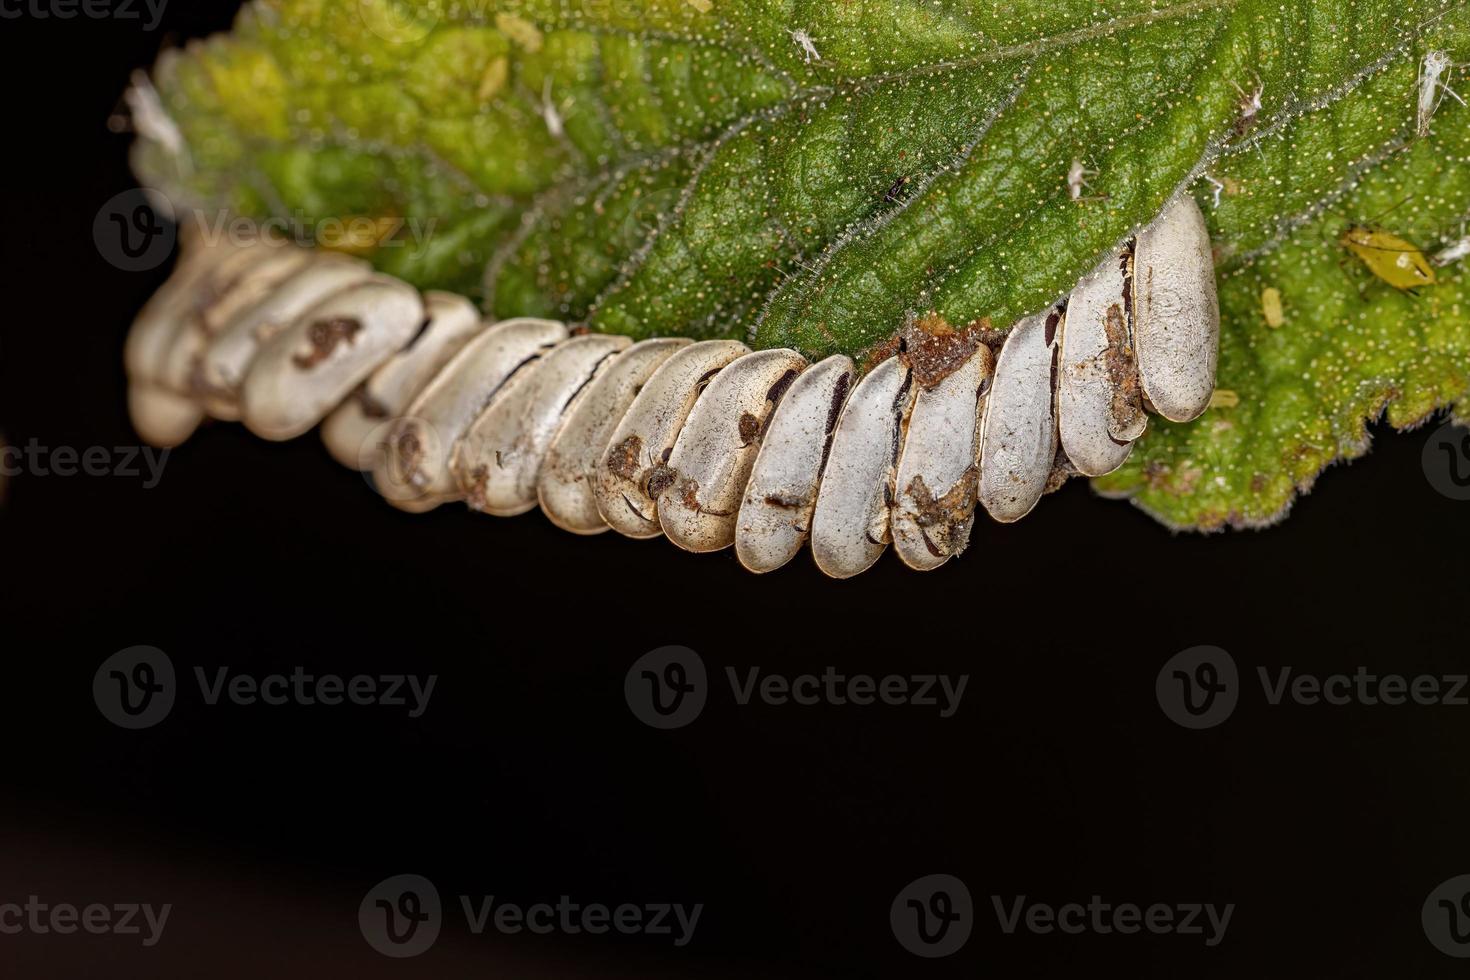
1224,398
707,443
1271,307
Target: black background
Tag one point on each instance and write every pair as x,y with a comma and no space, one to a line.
528,777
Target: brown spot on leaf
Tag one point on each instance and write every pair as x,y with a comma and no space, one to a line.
1165,478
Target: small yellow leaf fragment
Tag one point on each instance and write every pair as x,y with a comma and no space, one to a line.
1224,398
1271,307
494,79
519,30
703,6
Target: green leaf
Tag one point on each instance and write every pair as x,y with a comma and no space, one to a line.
805,174
1351,348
